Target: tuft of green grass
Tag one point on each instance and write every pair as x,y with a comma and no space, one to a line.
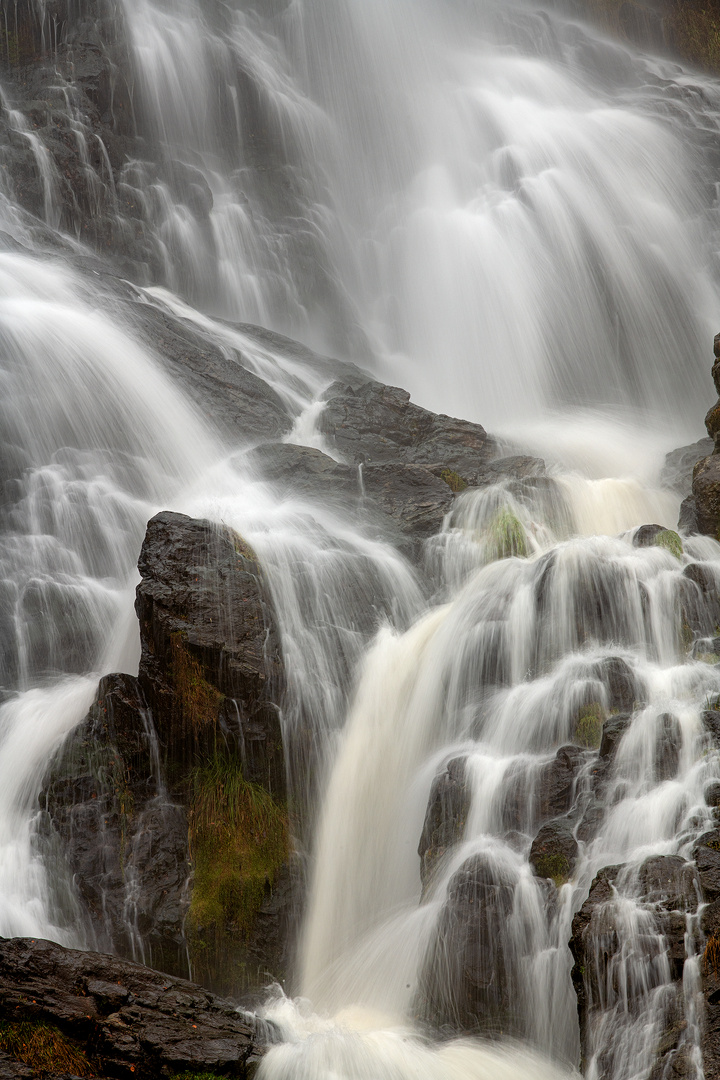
44,1048
238,842
670,541
506,536
588,729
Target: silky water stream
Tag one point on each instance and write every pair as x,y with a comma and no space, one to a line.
513,218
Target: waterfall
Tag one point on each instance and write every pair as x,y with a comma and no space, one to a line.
514,218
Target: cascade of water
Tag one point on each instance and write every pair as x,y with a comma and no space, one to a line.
427,157
510,228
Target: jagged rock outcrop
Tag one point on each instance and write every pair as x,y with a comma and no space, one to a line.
166,805
210,666
378,424
126,1019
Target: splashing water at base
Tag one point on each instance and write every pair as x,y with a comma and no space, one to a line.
358,1045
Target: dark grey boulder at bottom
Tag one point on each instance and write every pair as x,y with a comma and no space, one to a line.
131,1021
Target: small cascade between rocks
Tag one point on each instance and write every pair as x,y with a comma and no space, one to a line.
500,709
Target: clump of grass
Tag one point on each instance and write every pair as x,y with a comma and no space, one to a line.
453,480
238,842
199,701
506,536
670,541
588,729
711,956
44,1048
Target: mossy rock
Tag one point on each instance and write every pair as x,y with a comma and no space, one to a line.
670,541
506,536
453,480
588,728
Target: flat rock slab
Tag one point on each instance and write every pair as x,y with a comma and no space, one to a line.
131,1020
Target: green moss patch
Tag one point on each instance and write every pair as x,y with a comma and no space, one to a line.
588,729
670,541
199,701
238,842
44,1048
453,480
554,866
506,536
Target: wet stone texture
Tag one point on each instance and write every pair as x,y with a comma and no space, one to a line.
210,667
131,1021
123,840
468,980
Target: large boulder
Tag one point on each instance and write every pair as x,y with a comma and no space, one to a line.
554,851
378,424
122,1019
210,667
468,982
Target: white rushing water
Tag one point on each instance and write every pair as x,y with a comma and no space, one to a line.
507,214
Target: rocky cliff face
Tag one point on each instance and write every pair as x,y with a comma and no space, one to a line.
168,802
66,1013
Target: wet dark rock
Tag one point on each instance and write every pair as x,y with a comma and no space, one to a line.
591,817
667,747
407,501
621,683
378,424
706,490
515,467
445,817
129,1019
645,536
687,519
679,464
556,782
711,724
613,730
210,667
700,601
666,886
109,822
712,793
11,1069
416,500
468,981
231,398
707,859
669,882
555,850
